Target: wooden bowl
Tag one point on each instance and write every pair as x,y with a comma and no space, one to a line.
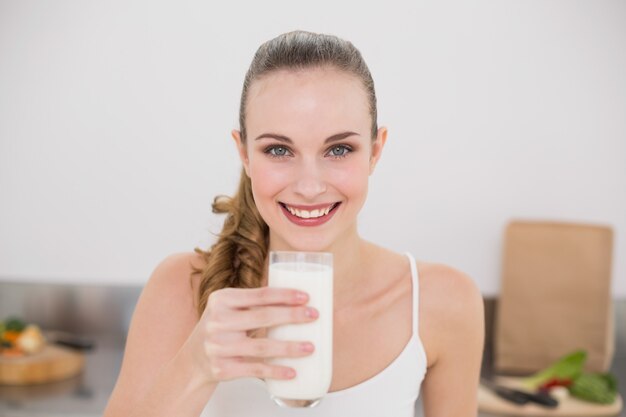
52,363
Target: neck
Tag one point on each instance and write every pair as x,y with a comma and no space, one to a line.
348,272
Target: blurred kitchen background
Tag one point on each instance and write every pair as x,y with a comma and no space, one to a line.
115,122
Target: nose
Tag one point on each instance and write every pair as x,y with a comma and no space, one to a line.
309,182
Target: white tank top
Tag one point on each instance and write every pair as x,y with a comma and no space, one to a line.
391,392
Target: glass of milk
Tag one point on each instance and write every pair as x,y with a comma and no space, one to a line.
311,272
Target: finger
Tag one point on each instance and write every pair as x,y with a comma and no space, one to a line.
238,369
265,348
269,316
250,297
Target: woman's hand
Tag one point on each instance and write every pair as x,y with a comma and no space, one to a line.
220,342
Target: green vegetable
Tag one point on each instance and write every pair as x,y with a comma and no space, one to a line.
568,367
598,388
14,324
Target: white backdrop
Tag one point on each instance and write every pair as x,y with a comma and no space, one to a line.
115,121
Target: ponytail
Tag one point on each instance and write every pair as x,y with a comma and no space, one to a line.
238,257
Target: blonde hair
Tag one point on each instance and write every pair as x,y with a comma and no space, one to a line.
238,257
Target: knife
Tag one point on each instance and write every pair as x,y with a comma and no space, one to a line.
521,397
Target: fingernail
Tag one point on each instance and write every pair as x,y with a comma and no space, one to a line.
307,347
312,313
302,296
290,373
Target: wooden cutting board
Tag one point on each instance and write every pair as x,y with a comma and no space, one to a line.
489,402
52,363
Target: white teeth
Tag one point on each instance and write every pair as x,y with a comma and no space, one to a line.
305,214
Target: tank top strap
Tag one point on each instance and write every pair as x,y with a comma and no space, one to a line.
415,280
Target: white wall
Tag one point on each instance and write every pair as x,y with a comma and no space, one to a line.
115,120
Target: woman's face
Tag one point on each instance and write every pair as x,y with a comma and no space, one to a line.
309,154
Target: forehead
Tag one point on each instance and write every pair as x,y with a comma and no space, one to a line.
318,100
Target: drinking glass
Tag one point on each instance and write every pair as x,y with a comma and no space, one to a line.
311,272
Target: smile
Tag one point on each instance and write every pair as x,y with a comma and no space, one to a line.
311,215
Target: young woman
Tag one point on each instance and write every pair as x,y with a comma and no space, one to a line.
308,142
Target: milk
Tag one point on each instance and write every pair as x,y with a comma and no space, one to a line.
313,372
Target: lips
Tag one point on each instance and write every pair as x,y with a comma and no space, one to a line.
309,215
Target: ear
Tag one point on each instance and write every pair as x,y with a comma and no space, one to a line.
377,148
242,150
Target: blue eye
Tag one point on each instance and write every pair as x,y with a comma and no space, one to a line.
277,151
340,151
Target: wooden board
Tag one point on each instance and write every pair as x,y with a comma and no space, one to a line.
52,363
489,402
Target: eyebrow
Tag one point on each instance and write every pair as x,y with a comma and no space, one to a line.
334,138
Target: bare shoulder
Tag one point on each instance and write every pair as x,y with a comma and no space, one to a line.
172,285
174,273
177,263
451,306
453,333
440,280
168,298
164,317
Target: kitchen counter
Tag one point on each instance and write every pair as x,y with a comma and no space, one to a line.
103,314
100,313
85,395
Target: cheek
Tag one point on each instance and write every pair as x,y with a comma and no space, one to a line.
266,178
352,179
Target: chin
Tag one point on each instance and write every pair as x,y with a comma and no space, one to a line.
305,244
311,247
